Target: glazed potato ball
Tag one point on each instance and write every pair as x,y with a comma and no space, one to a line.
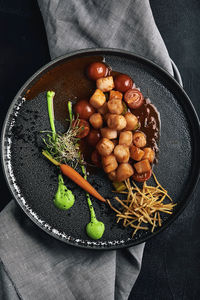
139,139
97,99
115,106
96,120
105,84
131,120
142,166
136,153
124,171
126,138
109,163
149,154
108,133
117,122
122,153
115,95
105,147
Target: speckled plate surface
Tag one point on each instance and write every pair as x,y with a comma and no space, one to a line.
33,180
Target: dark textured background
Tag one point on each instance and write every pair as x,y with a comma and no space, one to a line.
171,264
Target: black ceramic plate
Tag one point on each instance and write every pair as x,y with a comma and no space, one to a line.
33,180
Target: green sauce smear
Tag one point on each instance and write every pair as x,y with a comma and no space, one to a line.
95,229
64,198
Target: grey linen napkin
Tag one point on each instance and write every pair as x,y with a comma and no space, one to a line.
33,265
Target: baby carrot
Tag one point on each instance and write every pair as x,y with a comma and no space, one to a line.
76,177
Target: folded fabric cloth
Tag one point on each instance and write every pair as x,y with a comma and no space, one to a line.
34,265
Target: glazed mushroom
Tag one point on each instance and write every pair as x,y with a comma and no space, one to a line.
133,98
123,82
97,70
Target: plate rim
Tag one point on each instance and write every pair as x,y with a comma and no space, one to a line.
96,51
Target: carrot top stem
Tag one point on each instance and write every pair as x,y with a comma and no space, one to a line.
92,212
49,157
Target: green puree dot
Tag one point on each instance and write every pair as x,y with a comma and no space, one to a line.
64,198
95,229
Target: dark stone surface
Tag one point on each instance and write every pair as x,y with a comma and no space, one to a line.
23,50
171,264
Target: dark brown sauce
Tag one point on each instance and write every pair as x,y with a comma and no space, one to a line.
69,81
149,119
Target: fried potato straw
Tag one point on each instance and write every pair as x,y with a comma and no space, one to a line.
142,206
